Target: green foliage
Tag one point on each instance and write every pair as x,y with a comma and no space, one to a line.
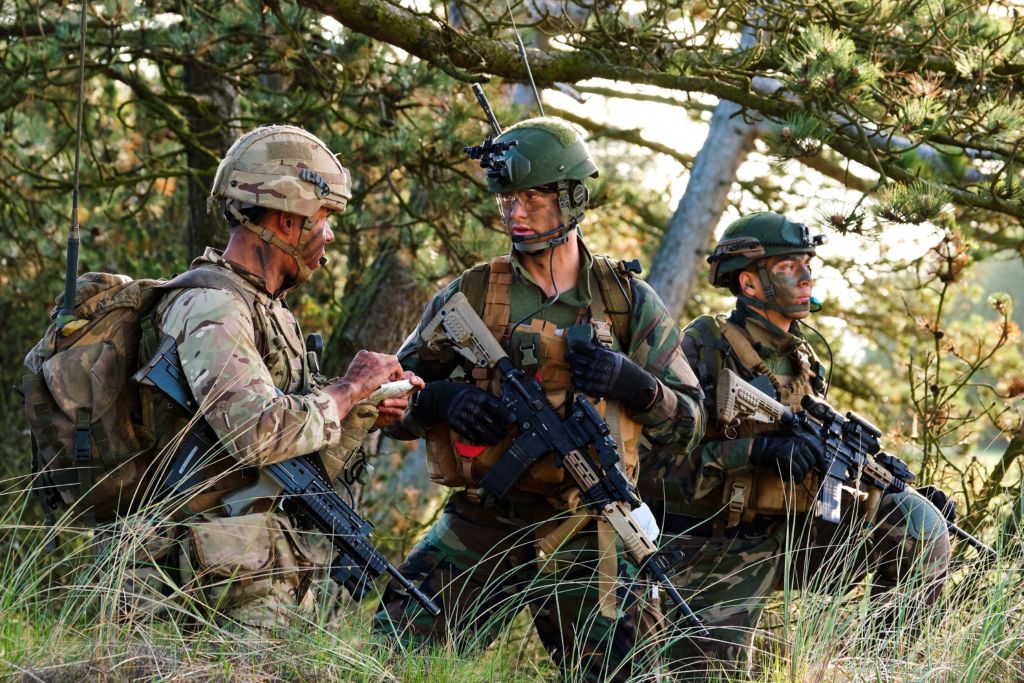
917,203
796,137
826,64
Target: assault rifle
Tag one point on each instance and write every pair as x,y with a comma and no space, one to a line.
604,487
850,449
298,482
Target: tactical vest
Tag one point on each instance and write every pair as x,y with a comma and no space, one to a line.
756,491
540,350
279,341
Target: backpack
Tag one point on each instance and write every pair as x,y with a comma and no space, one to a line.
92,446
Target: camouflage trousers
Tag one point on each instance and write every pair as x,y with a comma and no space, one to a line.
729,580
256,570
481,565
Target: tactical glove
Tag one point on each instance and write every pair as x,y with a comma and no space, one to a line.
477,415
940,500
790,456
599,371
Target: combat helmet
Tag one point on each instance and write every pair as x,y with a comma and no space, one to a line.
284,168
750,240
538,152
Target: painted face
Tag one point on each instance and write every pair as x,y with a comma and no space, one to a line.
319,237
529,212
791,278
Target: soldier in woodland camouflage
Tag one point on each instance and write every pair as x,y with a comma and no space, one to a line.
245,361
486,559
740,504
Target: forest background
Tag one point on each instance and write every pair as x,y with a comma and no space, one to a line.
893,126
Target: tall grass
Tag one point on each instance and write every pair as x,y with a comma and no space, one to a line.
61,620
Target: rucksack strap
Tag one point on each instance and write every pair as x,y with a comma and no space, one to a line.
615,285
745,352
473,283
83,463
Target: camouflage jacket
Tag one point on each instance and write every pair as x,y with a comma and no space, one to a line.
676,418
680,481
245,364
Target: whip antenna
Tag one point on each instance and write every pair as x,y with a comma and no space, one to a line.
526,62
67,309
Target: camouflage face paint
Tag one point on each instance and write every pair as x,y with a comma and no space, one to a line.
787,285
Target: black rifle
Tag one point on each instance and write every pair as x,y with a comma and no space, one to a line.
297,481
604,487
849,447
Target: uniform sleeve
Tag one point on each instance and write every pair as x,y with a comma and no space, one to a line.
236,393
677,416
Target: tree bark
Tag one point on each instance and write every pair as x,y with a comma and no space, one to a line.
380,308
679,259
994,484
214,107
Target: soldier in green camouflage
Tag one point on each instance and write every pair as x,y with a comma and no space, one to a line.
485,559
243,356
740,506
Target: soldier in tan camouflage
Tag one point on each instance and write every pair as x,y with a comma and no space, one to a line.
243,356
740,505
487,558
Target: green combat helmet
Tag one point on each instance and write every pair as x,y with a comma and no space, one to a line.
284,168
535,153
750,240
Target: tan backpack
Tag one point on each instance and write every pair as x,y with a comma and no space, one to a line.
91,446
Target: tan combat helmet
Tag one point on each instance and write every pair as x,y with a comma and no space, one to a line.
284,168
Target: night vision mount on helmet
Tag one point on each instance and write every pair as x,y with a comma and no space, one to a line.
750,240
536,153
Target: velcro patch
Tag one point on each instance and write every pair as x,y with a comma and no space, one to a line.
289,149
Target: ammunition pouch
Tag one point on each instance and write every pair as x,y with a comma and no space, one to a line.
759,492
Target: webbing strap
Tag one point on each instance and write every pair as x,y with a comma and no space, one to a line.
498,300
83,463
599,319
614,289
746,353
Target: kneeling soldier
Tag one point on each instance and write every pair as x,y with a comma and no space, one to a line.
577,322
741,506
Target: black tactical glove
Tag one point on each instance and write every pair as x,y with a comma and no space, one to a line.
599,371
477,415
790,456
940,500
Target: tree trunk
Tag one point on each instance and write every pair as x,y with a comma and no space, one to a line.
380,308
994,485
679,258
214,106
690,230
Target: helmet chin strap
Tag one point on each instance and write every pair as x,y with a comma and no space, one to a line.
533,244
269,236
770,305
769,302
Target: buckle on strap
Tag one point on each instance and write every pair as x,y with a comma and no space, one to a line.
737,500
603,332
